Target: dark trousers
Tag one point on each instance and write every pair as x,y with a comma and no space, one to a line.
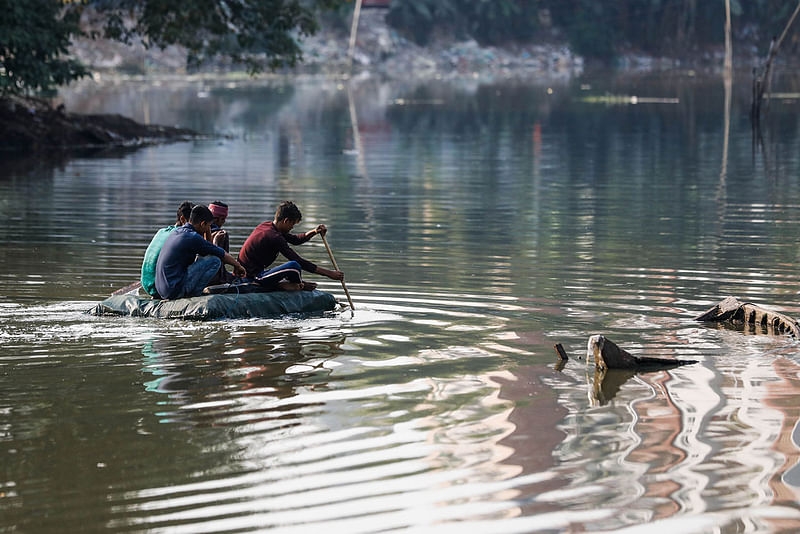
288,272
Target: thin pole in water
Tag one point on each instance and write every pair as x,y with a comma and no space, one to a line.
333,261
353,30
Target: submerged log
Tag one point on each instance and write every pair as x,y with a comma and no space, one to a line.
734,311
607,355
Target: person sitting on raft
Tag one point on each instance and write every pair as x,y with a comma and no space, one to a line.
148,276
220,237
272,237
178,274
219,210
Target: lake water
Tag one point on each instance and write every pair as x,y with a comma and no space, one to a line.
478,224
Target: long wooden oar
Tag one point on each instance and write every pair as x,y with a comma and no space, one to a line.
333,261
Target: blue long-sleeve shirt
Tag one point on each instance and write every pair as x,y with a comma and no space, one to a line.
178,252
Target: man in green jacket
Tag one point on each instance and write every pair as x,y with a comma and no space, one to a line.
154,249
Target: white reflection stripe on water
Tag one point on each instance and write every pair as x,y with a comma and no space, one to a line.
702,523
393,362
309,397
325,487
405,460
455,522
488,303
309,439
506,349
416,496
307,454
450,296
420,310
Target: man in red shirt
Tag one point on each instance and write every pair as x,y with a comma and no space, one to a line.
272,237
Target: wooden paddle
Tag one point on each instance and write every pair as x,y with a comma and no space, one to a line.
333,261
128,289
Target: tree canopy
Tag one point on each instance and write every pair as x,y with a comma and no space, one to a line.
34,37
594,28
35,34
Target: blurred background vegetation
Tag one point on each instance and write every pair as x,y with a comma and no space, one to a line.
595,28
259,34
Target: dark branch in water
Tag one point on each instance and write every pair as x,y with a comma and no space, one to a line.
607,355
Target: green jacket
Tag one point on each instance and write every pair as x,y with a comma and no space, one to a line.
151,258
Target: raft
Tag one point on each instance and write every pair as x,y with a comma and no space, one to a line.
219,306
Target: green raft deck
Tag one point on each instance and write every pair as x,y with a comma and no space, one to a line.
220,306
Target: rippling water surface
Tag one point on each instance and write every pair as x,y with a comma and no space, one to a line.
477,224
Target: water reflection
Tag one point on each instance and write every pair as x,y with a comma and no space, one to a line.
479,224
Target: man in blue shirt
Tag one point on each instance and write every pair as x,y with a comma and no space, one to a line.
177,273
148,277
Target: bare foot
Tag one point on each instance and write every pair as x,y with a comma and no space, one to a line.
290,286
309,286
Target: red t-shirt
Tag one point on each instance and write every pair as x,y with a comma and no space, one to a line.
263,245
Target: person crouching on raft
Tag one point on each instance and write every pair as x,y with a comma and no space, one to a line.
272,237
148,276
177,273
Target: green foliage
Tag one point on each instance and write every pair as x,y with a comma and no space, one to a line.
498,21
594,28
420,17
257,33
34,37
590,30
488,21
35,34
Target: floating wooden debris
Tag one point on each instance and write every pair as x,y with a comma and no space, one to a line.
607,355
562,357
734,311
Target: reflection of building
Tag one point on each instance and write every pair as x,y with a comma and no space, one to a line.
537,434
783,396
659,424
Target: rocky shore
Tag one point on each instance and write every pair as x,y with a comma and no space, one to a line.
28,124
383,51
